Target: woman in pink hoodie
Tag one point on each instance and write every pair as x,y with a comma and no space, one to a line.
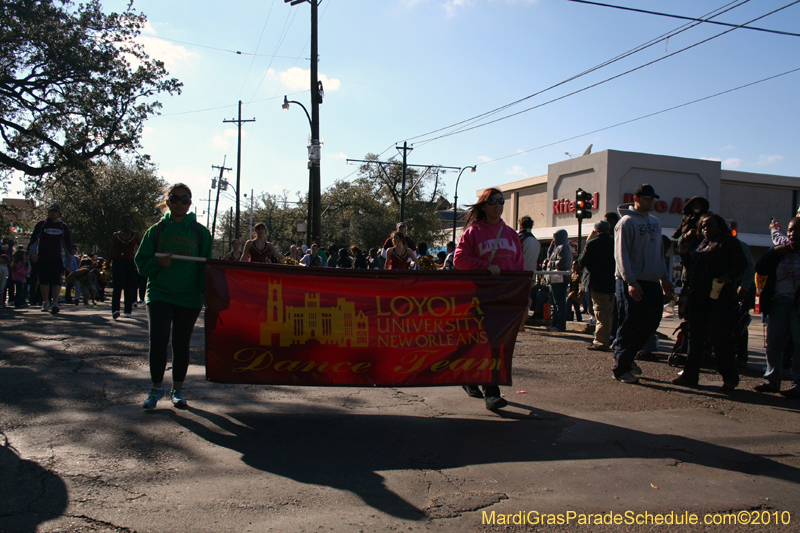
488,244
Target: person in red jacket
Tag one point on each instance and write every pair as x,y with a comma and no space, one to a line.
488,244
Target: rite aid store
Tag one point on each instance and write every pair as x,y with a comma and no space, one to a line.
611,177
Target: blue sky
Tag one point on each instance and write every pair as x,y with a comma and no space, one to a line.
396,69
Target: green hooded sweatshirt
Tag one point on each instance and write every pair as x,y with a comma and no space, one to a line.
182,282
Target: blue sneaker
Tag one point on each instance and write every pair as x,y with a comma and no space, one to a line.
177,399
153,397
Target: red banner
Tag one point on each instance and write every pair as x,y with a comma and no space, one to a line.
289,325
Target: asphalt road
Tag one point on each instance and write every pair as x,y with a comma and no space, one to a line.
80,454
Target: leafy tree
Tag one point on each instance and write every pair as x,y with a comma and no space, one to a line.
365,211
279,212
68,91
96,198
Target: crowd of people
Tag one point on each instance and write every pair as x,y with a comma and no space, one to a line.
621,278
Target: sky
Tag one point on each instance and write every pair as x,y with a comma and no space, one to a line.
396,70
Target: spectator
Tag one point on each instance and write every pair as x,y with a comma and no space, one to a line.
333,255
530,245
236,252
375,261
448,261
20,269
359,261
440,258
711,311
639,258
4,279
51,236
559,258
70,285
777,275
747,299
401,227
312,259
344,260
597,258
124,244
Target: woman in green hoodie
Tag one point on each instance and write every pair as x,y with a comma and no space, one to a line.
175,289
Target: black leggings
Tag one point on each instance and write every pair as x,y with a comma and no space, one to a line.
161,316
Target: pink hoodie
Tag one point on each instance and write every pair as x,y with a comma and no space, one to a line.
19,272
476,245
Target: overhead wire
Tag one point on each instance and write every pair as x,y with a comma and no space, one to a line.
637,10
649,63
258,44
644,116
465,123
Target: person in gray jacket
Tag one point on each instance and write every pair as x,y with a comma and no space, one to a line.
560,258
639,255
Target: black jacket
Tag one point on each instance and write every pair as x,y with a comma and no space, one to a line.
768,266
598,258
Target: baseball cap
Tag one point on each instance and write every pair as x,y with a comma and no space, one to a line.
645,190
401,225
602,225
54,207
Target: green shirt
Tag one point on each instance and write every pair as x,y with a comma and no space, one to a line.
182,283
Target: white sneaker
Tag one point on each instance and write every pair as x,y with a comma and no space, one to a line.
627,377
127,315
45,306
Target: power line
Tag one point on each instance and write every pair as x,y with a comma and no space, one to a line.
684,18
644,116
426,141
250,67
237,52
224,106
630,52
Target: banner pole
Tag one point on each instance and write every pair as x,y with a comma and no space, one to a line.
182,257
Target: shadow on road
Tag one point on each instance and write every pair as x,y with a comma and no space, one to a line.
29,493
345,451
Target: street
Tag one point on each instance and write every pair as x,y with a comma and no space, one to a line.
80,453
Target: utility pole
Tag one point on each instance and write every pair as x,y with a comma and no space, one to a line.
314,155
238,122
230,238
216,204
208,209
251,213
405,150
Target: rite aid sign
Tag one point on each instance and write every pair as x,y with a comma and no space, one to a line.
563,205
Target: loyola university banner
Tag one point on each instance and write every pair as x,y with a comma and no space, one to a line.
289,325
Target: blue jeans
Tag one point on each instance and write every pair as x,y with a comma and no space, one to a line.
558,300
637,322
783,327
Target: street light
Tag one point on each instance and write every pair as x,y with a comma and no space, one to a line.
455,199
285,106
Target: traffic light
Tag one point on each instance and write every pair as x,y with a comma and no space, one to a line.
734,227
583,204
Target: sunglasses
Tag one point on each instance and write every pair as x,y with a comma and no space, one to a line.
495,201
185,199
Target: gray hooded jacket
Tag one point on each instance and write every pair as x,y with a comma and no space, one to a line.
560,253
638,249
